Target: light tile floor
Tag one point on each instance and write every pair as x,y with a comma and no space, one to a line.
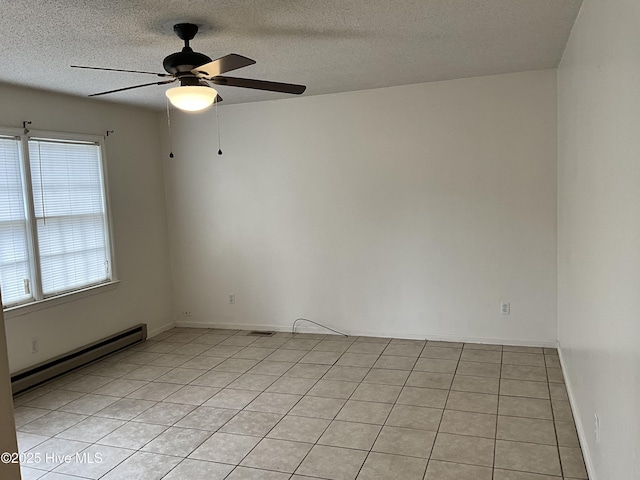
220,404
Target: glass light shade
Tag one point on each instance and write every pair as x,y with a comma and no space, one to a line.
191,98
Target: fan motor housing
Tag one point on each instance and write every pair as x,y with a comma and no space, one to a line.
184,61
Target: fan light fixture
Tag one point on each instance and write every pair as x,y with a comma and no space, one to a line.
191,98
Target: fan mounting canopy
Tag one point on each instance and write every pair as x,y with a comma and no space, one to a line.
185,31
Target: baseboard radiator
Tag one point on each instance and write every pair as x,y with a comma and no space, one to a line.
45,371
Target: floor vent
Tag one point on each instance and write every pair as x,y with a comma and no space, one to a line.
43,372
261,333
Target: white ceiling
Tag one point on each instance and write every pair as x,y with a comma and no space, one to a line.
329,45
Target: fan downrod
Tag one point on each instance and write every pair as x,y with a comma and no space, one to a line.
181,63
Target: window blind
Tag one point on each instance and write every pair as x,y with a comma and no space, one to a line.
15,269
70,217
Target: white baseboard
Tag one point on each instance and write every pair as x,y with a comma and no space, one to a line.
159,330
304,327
582,437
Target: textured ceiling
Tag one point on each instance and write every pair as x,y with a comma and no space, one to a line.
329,45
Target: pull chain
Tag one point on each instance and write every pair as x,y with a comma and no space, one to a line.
169,125
218,125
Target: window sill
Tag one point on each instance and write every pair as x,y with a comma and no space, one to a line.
31,307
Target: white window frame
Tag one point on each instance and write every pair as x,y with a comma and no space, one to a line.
39,300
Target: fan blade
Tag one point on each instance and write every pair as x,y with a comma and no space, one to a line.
259,85
120,70
224,64
131,88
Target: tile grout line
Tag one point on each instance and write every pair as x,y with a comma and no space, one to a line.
391,410
446,400
495,440
553,416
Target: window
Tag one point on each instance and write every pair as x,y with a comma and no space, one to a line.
54,222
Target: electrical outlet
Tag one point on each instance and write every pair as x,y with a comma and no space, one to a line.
34,345
232,298
596,421
186,313
505,308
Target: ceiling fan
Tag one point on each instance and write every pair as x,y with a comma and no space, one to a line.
198,74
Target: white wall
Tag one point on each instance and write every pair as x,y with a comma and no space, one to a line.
405,211
599,232
139,221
